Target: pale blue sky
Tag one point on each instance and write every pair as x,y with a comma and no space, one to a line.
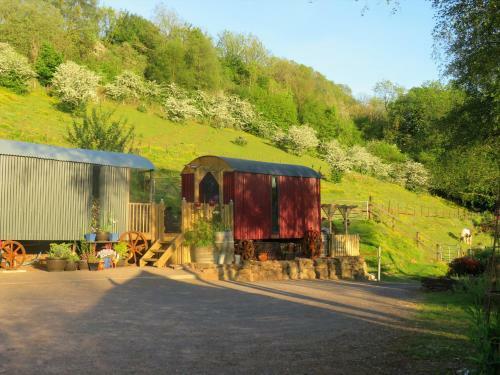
333,36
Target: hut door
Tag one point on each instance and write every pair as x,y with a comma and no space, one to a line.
209,189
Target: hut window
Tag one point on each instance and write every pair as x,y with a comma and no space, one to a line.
209,189
96,181
274,205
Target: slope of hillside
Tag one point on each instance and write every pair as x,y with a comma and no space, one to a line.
170,146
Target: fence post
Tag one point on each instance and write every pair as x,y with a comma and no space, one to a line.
379,257
438,253
417,239
369,207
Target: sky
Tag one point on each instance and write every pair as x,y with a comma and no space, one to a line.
338,38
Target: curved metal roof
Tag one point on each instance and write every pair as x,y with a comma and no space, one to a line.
76,155
277,169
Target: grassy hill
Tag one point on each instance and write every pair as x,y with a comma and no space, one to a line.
35,118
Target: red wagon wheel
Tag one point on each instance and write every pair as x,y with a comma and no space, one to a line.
12,255
136,243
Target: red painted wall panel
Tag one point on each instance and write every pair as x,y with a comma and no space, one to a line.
252,206
228,187
187,186
299,204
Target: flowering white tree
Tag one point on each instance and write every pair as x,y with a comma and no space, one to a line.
179,110
126,86
300,139
15,71
74,85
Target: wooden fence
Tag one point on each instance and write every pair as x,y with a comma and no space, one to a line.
147,218
192,212
345,245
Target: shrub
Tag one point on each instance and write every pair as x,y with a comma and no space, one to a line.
300,139
126,86
99,132
47,62
465,266
59,251
336,157
240,141
417,177
387,152
179,109
15,71
74,85
411,175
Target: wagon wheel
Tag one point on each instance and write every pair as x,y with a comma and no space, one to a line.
136,243
12,255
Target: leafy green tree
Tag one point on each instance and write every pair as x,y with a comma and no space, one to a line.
388,91
468,34
26,25
99,131
47,62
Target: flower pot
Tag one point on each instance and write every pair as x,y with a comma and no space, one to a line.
114,236
262,257
108,262
205,254
89,237
56,265
102,236
71,266
121,263
219,237
100,266
93,266
83,265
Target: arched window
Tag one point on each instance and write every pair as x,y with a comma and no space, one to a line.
209,189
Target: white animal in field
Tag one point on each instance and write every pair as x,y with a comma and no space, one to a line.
466,236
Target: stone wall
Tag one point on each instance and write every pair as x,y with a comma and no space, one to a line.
350,268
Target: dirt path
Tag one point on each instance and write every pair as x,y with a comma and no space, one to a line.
139,321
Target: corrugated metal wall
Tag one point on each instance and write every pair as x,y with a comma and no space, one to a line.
114,195
252,206
50,200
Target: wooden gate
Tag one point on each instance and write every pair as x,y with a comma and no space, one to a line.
345,245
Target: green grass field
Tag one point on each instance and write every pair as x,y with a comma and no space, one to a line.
35,118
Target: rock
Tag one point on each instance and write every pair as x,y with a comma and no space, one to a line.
306,269
321,268
293,270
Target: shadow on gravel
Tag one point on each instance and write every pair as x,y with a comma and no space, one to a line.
151,324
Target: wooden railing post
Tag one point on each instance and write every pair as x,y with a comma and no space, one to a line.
417,239
369,207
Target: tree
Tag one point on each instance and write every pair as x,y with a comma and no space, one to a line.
75,85
15,71
387,91
27,24
98,131
468,33
47,62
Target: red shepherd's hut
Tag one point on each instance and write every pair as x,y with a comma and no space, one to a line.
270,200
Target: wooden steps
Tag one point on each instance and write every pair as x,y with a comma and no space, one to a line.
162,250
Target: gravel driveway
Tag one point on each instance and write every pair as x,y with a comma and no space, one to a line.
148,321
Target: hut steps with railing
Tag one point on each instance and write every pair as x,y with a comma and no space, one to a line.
162,251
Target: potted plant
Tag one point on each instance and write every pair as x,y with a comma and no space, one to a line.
122,251
107,255
72,262
85,251
94,219
111,225
201,239
93,262
56,259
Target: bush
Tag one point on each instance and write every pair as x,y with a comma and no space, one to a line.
59,251
417,177
365,163
99,132
465,266
411,175
74,85
179,109
336,157
387,152
240,141
298,140
126,86
15,71
47,62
